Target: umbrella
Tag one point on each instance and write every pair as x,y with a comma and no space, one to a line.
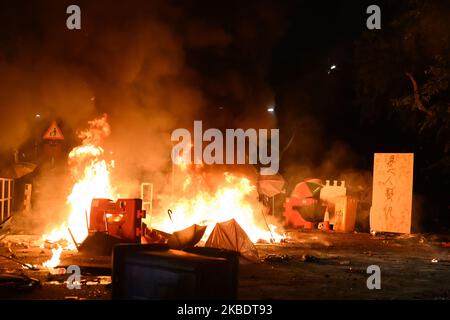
311,210
18,170
309,188
271,186
188,237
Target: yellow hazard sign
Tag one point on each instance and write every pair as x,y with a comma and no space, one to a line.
53,132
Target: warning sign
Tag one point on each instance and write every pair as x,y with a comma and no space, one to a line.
53,132
392,192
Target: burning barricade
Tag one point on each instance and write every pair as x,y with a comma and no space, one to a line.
98,218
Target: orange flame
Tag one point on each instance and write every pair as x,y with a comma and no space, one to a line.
90,173
55,260
234,198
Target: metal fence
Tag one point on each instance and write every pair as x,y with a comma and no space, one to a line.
6,198
147,198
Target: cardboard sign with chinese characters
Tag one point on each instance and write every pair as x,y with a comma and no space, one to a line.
392,192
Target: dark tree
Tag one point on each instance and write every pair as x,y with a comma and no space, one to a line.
401,78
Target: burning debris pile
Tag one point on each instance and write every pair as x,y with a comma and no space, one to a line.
90,173
193,199
232,197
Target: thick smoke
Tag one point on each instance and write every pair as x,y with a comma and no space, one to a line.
128,60
152,66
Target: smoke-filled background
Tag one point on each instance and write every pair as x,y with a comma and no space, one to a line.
153,66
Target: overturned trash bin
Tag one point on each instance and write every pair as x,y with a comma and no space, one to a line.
155,272
232,257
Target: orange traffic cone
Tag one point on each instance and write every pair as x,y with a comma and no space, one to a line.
326,221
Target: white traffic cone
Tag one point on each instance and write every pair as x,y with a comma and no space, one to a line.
326,220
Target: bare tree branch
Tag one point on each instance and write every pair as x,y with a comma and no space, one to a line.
417,100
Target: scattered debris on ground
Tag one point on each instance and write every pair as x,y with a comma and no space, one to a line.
10,281
317,263
277,258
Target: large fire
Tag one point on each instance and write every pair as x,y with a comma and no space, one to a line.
90,173
231,197
195,202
